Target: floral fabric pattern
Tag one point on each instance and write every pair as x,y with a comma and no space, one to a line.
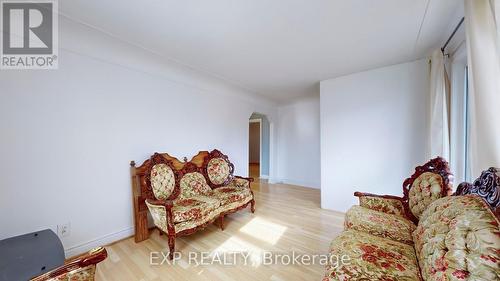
197,222
194,184
228,195
235,204
371,258
162,181
458,238
385,205
218,170
384,225
187,188
193,208
425,189
197,203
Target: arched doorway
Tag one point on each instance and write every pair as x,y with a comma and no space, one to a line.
259,146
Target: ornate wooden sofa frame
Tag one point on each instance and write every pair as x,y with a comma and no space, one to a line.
207,178
80,268
487,186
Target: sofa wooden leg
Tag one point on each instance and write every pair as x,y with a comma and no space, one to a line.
170,231
252,205
171,246
221,222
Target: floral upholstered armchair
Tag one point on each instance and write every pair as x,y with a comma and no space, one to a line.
81,268
456,237
183,197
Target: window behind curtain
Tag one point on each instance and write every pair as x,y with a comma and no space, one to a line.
466,125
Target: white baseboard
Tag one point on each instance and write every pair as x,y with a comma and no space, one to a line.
273,180
101,241
264,177
294,182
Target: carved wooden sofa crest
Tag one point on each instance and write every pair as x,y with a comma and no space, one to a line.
424,235
185,196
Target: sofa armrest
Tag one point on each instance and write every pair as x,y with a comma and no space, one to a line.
362,194
240,182
244,178
389,204
161,212
79,268
165,203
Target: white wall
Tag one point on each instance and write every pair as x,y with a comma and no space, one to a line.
68,135
373,131
298,143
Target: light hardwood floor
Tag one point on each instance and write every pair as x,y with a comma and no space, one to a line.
287,218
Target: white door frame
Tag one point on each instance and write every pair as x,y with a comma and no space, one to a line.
259,120
271,150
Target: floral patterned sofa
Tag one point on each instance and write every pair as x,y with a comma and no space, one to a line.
185,196
453,238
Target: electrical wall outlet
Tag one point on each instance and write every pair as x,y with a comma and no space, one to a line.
64,230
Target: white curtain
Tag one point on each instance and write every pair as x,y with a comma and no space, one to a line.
495,4
439,138
483,47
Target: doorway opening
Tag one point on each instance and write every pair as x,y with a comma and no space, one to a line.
258,146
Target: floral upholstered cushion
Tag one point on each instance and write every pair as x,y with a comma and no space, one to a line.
218,170
425,189
162,181
231,194
193,208
194,184
159,215
232,197
371,258
385,205
458,238
389,226
186,225
184,209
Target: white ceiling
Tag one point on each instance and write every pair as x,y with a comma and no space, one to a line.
279,49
